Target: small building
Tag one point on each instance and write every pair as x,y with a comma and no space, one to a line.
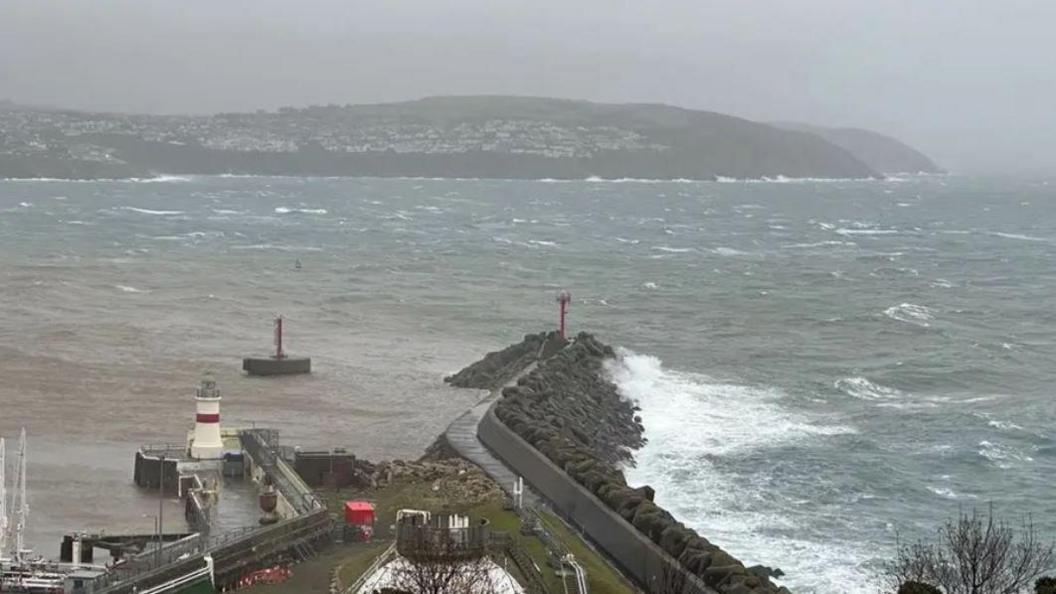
335,468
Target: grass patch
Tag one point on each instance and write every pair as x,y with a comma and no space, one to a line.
354,559
353,566
601,576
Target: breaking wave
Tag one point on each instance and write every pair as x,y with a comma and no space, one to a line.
288,210
152,212
911,313
1002,456
728,251
1020,236
128,289
863,389
692,422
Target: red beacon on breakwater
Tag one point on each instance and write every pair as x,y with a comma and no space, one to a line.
279,363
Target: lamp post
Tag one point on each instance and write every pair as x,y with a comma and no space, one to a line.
154,535
161,507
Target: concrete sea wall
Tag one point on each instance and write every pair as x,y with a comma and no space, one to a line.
637,556
568,431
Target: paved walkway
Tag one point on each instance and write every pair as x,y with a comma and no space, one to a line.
462,435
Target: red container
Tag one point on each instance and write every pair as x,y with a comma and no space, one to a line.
359,513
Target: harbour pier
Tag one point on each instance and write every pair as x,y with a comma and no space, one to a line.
293,522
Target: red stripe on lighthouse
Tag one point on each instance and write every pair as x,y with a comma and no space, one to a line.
207,418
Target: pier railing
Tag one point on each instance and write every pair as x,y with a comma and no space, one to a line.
233,550
226,550
262,446
171,451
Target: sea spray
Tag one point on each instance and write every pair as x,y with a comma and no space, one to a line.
696,428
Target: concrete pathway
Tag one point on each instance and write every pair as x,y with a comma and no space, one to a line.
462,435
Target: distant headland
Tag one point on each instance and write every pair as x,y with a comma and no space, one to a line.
446,137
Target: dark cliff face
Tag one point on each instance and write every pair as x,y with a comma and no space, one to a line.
467,137
882,153
568,410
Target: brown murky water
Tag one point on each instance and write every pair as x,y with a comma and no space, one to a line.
92,372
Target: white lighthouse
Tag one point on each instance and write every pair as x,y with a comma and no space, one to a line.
207,444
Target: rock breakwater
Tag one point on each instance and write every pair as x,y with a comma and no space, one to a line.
570,412
499,367
449,479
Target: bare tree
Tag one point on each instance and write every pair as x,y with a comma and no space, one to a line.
440,565
976,554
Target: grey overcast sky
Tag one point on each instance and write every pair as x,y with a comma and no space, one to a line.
971,82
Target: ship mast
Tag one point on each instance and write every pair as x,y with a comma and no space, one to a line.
3,502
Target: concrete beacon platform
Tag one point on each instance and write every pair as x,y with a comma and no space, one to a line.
279,363
273,366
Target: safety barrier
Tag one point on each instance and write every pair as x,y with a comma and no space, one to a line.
233,550
638,556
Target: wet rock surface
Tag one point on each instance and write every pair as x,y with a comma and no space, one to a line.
571,413
499,367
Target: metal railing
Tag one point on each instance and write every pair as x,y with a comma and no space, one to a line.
171,451
221,547
312,519
262,445
381,560
532,574
436,543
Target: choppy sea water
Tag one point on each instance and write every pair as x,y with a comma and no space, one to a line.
821,365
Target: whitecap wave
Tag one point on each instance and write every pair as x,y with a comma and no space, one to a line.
1001,455
911,313
830,243
148,211
161,179
1004,425
864,389
847,232
123,180
280,248
289,210
128,289
1020,236
949,493
728,251
634,180
784,179
672,250
693,411
691,420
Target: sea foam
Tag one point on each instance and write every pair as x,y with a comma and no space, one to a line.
152,212
693,421
911,313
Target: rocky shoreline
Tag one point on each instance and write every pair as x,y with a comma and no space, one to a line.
499,367
569,411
